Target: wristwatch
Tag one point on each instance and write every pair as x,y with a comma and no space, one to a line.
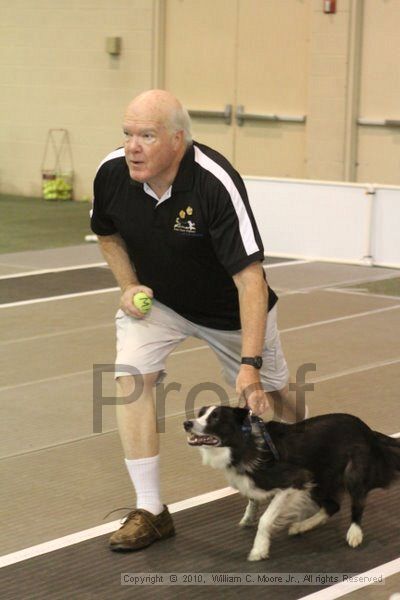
254,361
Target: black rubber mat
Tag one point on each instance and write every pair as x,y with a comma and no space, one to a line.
58,283
271,260
208,540
46,285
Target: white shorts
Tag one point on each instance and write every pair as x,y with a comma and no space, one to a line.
143,346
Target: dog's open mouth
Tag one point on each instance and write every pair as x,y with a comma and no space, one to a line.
202,440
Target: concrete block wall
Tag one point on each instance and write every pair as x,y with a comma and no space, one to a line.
55,72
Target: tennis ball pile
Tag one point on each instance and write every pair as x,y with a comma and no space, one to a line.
142,302
57,189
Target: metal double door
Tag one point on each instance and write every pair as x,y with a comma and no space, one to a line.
240,67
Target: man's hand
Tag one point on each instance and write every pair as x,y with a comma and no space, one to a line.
126,302
248,386
116,254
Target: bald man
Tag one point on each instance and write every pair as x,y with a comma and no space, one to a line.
173,220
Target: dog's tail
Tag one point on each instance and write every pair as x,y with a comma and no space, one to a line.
390,447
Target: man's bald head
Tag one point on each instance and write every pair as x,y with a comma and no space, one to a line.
163,108
157,133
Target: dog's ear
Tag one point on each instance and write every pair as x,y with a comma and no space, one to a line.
241,414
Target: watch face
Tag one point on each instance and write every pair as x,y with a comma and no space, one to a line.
258,361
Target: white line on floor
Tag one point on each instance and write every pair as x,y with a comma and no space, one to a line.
361,369
45,336
104,264
364,579
287,330
328,286
114,289
287,263
53,270
6,388
204,347
78,373
365,294
366,367
91,436
337,319
62,297
93,532
50,270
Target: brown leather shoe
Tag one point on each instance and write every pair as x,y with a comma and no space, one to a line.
141,528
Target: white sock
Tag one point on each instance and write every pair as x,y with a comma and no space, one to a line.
144,473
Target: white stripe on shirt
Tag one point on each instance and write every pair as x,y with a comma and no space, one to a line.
245,227
115,154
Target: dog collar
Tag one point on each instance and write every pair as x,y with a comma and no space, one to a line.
247,429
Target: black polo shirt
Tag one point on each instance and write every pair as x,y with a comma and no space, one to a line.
187,246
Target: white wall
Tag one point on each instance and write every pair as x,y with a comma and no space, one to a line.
385,234
354,223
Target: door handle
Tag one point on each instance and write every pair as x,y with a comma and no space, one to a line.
225,114
379,122
242,116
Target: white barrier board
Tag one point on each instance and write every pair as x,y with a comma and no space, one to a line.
385,236
327,221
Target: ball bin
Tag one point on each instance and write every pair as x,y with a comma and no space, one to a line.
57,172
56,186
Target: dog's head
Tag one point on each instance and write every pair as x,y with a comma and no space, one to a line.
217,426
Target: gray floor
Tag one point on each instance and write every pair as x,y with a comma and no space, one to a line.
49,259
90,570
61,477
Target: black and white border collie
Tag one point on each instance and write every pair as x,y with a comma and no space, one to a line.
302,469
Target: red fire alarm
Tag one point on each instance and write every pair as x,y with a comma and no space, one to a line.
329,6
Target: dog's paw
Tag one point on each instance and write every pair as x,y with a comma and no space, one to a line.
354,535
295,528
246,522
257,554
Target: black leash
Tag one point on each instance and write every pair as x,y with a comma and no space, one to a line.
247,429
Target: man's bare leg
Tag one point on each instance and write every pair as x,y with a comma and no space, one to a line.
137,422
285,406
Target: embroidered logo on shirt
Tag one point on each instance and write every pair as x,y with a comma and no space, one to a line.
184,222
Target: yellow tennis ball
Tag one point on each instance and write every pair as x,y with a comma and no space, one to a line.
142,302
